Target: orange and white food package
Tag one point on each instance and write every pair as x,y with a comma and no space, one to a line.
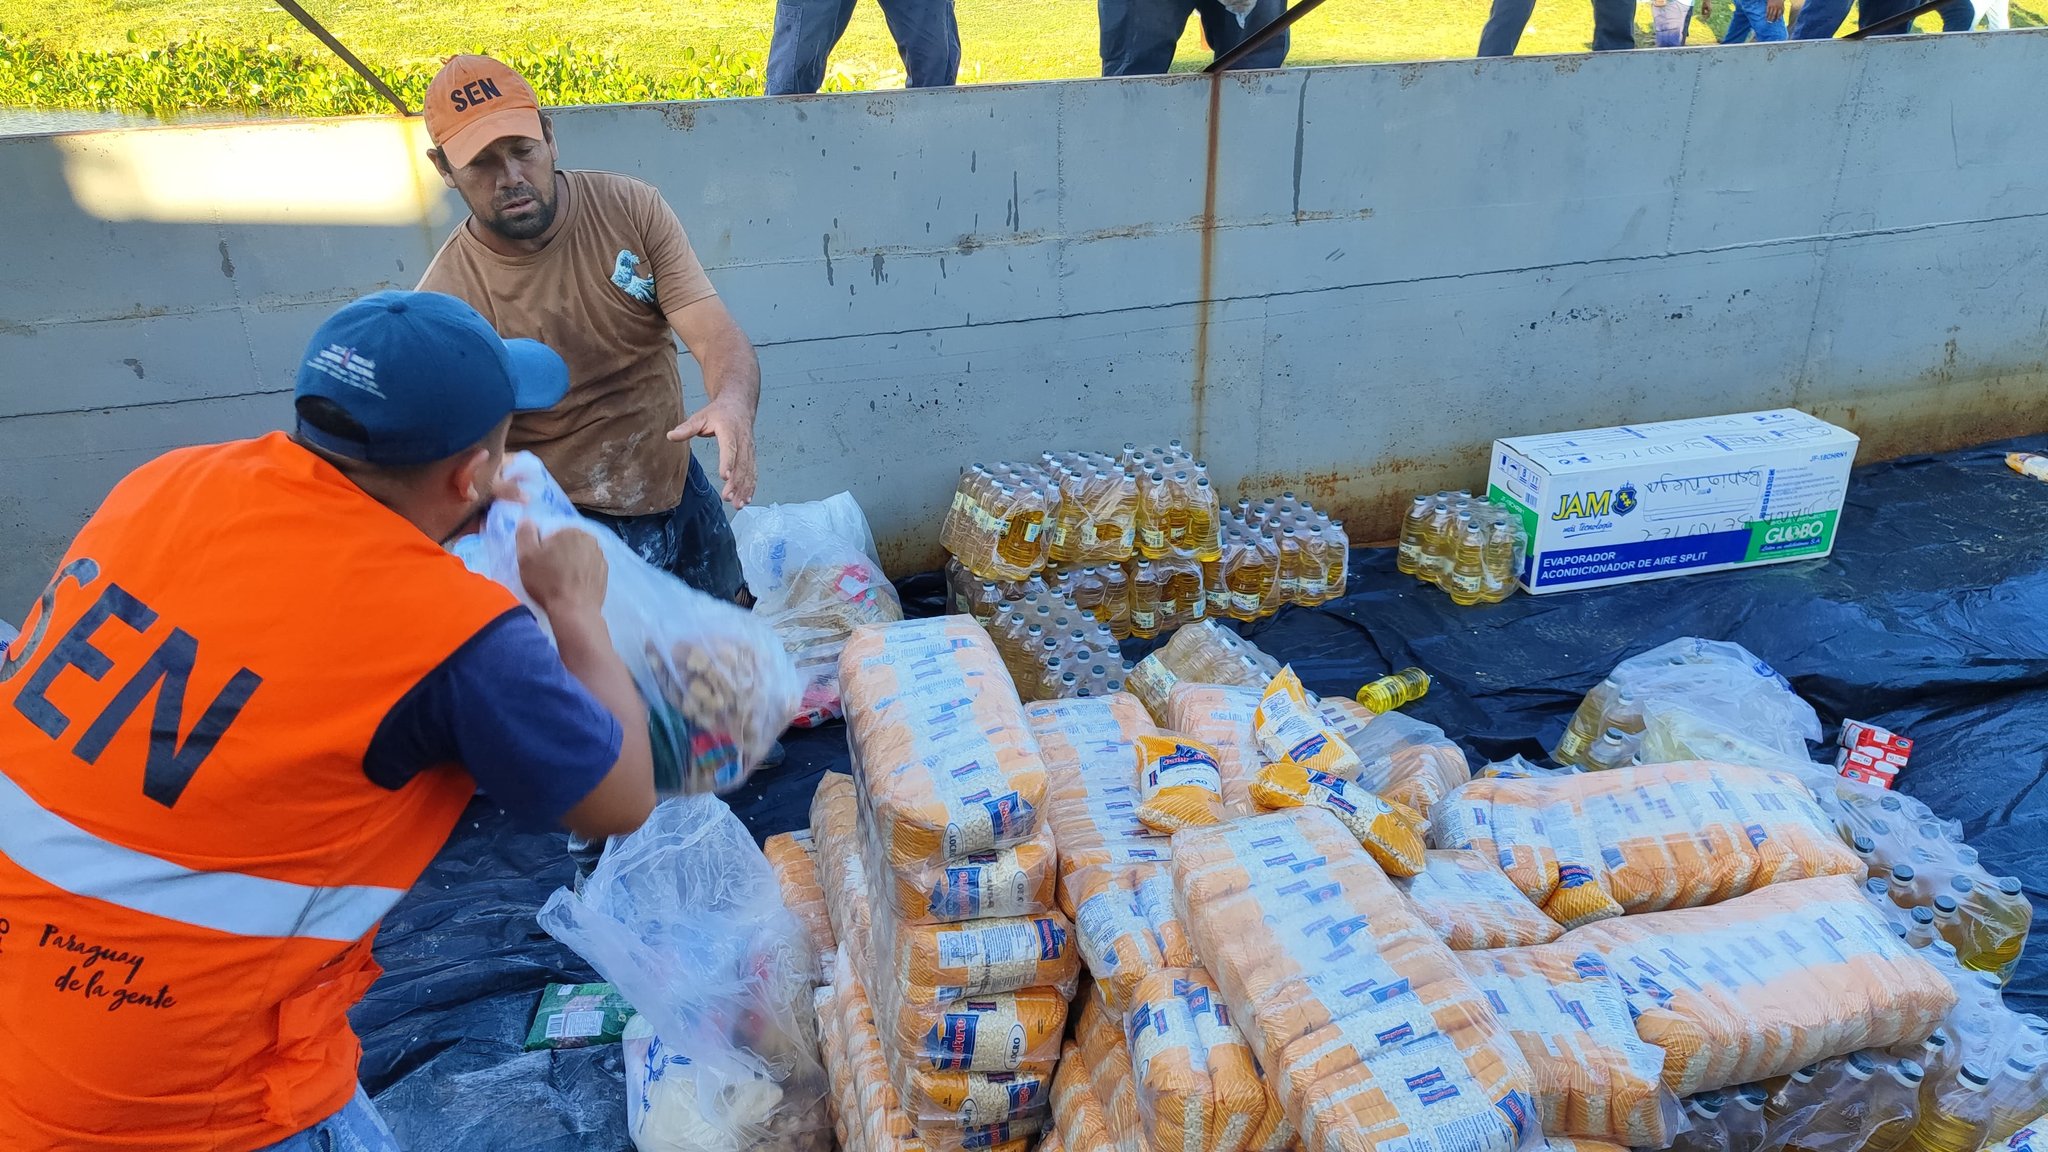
945,760
1645,838
1078,1119
1392,833
1128,929
1472,904
1579,1144
1003,1032
1092,797
866,1099
1099,1038
1768,983
1198,1088
835,820
794,857
1179,783
1014,881
1404,760
1291,730
1594,1076
1222,718
934,963
1366,1025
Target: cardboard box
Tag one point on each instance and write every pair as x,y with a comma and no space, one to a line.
1616,505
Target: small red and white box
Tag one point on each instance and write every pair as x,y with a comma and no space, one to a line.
1871,754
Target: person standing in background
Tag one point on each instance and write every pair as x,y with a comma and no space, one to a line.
1671,20
1765,18
1614,26
806,31
1138,37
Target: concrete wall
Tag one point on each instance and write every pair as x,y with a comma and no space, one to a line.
1342,280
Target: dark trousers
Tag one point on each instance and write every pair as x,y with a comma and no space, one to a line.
806,31
1614,26
1139,36
693,540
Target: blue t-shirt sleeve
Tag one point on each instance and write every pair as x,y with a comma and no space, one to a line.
505,709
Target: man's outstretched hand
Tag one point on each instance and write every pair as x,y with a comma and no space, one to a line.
733,428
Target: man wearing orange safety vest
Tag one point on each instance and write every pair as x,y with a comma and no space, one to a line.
246,713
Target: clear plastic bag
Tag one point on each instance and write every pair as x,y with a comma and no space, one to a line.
719,687
1403,759
685,918
814,576
1726,685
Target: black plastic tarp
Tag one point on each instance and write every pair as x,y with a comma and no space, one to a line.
1930,618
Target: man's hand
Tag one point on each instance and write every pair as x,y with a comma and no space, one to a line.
1774,9
564,572
733,427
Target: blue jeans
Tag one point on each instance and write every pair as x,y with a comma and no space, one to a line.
1138,36
1821,19
356,1128
1614,26
927,38
693,540
1750,17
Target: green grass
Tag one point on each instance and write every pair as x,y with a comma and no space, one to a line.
1003,39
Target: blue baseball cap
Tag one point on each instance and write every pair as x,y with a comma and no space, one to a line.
424,375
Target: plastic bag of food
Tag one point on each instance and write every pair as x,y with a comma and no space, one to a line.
1764,985
814,576
1519,767
1721,683
1128,930
1594,1076
685,918
1403,760
933,963
1078,1120
1366,1025
794,856
1203,653
1179,782
1014,881
1092,799
1291,730
946,762
1002,1032
1224,719
1099,1035
835,819
1647,837
1473,905
1197,1086
1392,833
720,689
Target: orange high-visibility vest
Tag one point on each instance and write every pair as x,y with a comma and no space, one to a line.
192,861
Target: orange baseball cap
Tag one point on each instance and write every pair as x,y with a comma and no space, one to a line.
474,100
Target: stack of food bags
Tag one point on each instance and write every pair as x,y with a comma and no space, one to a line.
971,964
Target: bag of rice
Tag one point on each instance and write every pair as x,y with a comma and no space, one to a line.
1473,905
1392,833
1291,730
1091,796
1179,782
1198,1088
1222,718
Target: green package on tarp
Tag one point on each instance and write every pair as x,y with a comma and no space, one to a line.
578,1016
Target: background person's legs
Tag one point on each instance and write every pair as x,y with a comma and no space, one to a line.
1820,19
1614,25
1958,16
1871,13
1504,26
805,33
1138,36
928,39
1225,33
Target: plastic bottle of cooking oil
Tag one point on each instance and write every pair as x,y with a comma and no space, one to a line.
2015,1096
1468,564
1144,600
1311,583
1997,918
1434,562
1337,577
1204,518
1742,1120
1153,514
1287,579
1614,749
1586,723
1957,1119
1250,577
1390,692
1116,599
1499,570
1828,1112
1408,557
1894,1107
1703,1111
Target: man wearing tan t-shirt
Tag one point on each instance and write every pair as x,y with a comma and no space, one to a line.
596,266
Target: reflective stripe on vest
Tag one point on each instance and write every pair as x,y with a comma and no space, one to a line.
66,856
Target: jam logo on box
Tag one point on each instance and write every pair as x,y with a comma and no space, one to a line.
1594,505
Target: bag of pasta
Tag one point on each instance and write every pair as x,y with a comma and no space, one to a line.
1291,730
719,686
1180,783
